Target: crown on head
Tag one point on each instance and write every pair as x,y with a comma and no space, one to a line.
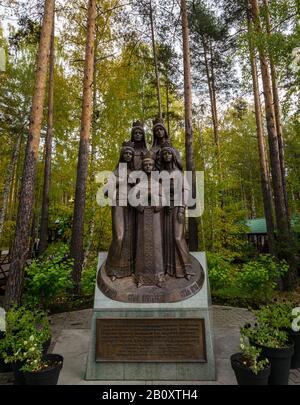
128,145
138,124
159,123
167,144
149,156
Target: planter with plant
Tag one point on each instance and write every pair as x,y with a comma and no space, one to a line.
249,367
275,346
40,369
27,331
4,368
283,316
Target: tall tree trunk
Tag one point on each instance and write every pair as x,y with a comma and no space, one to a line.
93,154
12,210
22,237
277,110
209,68
189,136
211,97
282,221
9,181
48,151
265,179
168,104
77,252
217,137
155,61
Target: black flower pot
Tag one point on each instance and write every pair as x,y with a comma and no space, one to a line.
295,336
244,375
46,346
280,359
47,376
18,374
4,368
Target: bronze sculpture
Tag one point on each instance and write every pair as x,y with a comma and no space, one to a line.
120,256
149,260
160,136
176,253
149,266
140,147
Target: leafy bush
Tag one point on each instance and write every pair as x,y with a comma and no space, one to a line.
265,335
219,271
276,315
48,278
26,331
260,277
88,278
252,356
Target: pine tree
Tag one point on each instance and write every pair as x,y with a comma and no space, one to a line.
22,237
77,250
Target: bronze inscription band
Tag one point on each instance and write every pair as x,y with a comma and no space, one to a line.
150,340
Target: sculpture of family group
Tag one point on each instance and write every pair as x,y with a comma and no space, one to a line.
149,241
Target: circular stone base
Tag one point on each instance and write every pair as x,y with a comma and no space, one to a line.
173,290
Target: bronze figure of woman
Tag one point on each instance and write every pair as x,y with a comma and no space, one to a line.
119,262
140,147
177,259
160,136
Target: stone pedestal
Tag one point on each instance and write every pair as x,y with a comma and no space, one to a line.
165,341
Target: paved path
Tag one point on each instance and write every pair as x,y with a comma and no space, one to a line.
71,339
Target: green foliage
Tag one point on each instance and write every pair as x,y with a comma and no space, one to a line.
276,315
219,271
26,331
260,277
88,279
48,277
265,335
252,356
7,235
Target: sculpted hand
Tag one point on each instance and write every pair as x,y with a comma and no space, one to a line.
180,217
140,208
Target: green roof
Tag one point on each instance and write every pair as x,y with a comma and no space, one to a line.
259,226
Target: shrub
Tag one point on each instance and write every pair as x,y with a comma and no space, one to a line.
252,356
48,278
26,331
88,279
260,277
265,335
277,315
219,271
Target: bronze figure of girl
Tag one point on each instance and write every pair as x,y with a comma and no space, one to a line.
120,256
177,259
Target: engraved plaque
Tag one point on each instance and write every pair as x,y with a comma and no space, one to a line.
152,340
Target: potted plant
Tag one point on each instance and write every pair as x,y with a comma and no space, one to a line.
283,316
4,368
276,347
23,326
249,367
38,368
